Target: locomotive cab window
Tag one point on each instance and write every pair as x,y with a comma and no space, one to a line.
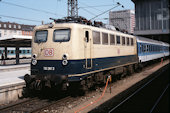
61,35
41,36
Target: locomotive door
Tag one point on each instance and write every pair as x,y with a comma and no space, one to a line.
88,48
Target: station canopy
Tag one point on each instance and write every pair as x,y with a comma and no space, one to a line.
16,40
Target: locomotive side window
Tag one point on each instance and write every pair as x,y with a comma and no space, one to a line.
87,36
128,41
112,40
105,38
118,39
61,35
41,36
132,42
96,37
123,40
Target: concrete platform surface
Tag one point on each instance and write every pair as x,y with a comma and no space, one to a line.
12,77
8,67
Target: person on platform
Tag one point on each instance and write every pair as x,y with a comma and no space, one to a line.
2,59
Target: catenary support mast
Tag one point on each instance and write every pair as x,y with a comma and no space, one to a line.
72,8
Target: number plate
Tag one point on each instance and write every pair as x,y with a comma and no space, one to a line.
49,52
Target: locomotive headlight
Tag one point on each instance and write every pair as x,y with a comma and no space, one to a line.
64,62
34,62
34,56
64,57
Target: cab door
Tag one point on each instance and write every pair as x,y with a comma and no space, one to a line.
88,48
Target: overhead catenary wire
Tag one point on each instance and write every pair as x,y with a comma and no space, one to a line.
118,4
89,7
38,10
88,11
20,18
97,6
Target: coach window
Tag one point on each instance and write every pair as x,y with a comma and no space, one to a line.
12,51
28,51
123,40
96,37
131,41
118,39
140,48
144,48
105,38
61,35
127,41
147,48
112,40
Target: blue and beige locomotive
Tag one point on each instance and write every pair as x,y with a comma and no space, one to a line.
71,54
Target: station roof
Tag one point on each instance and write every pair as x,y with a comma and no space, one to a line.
16,40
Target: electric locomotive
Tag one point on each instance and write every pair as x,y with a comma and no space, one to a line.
68,53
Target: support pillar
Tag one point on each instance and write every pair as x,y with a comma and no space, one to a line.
17,55
5,52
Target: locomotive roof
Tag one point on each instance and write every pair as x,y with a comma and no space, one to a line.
81,25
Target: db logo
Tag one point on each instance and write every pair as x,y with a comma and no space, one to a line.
49,52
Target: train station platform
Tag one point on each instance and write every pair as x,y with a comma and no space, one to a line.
12,82
13,67
8,78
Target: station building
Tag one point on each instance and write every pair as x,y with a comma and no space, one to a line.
152,19
15,35
8,29
123,19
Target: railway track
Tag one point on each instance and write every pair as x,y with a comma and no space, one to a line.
32,105
143,97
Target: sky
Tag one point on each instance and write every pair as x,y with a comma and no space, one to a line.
42,10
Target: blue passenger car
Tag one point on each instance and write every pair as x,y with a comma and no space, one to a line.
149,49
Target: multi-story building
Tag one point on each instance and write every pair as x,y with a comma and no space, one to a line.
152,19
8,29
124,20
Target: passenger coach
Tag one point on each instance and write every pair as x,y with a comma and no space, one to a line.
149,49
